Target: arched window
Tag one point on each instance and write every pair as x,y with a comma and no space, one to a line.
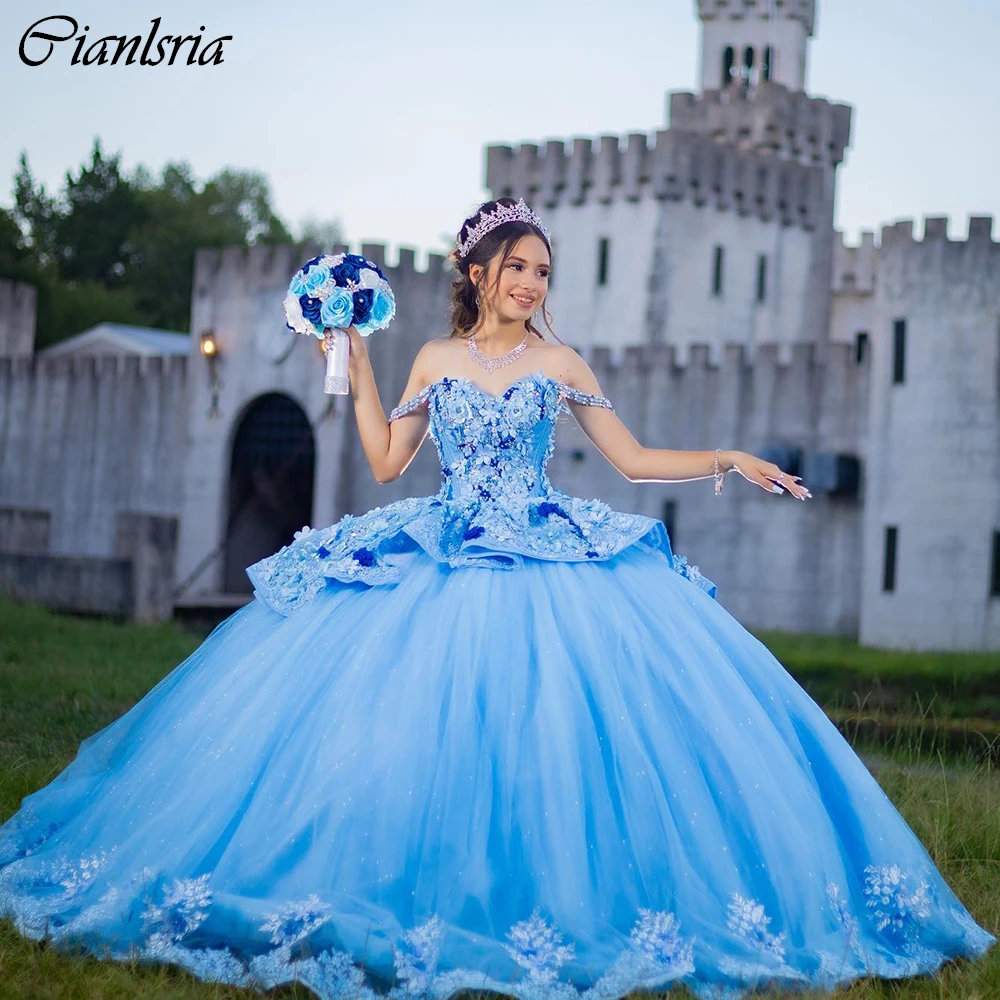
747,72
270,484
728,60
768,67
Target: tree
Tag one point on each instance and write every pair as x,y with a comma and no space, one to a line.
92,227
121,248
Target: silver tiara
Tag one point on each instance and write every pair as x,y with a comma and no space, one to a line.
501,214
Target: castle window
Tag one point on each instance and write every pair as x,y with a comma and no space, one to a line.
768,62
860,346
747,72
889,565
602,260
717,260
728,60
761,277
898,351
995,572
670,517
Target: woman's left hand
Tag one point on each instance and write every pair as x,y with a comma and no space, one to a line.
767,475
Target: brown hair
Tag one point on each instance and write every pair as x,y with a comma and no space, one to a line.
497,243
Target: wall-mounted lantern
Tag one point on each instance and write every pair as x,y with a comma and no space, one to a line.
210,352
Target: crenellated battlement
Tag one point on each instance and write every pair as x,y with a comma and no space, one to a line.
960,275
17,319
935,230
854,267
676,165
799,10
770,117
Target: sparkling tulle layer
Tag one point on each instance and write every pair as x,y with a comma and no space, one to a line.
576,778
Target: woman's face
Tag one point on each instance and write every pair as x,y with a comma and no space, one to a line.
524,280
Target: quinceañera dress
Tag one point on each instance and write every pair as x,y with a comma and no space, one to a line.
497,738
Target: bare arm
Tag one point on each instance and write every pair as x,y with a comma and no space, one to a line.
639,464
389,448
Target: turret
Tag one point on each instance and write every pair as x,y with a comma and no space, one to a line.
753,41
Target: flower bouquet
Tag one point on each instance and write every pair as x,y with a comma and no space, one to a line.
330,293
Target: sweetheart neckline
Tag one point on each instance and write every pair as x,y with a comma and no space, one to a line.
486,392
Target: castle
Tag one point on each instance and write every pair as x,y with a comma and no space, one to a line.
698,272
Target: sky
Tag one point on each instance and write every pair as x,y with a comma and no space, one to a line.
378,114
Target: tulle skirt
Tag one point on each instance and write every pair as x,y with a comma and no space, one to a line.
571,778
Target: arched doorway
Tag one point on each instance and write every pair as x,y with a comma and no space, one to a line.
270,484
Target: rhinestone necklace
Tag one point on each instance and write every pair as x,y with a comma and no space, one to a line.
492,364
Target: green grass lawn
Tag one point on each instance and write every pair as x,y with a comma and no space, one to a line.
63,678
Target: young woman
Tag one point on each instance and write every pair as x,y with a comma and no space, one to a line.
499,738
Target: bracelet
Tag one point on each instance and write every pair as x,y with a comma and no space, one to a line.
720,476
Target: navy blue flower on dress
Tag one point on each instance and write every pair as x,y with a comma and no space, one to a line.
364,556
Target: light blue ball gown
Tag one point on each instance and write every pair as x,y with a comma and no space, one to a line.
496,738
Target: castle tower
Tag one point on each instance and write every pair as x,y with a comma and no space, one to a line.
754,41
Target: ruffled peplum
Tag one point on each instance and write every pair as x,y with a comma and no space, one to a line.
377,547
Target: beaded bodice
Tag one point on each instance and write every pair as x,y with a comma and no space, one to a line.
495,447
495,508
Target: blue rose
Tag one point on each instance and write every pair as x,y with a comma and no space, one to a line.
346,271
316,278
312,262
337,309
298,286
383,307
363,304
310,308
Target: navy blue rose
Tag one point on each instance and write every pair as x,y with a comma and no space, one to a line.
310,308
363,298
345,272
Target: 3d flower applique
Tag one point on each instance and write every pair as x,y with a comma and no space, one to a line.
416,956
184,907
746,918
364,556
76,875
537,947
296,920
896,901
656,935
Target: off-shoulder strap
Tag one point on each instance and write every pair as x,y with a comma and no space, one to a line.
412,403
579,396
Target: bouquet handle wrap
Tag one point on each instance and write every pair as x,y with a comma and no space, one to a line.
338,353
